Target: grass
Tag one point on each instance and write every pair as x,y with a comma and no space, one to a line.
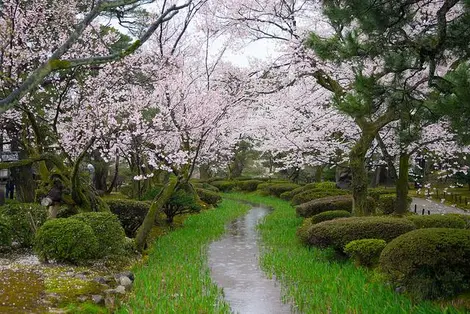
175,278
314,281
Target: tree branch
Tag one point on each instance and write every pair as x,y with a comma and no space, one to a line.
54,62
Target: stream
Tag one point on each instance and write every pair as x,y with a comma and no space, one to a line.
234,263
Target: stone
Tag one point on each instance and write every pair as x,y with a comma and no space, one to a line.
120,289
126,282
127,274
98,299
82,298
80,276
109,302
100,280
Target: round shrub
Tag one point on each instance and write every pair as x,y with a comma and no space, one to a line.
264,187
108,231
302,232
375,193
313,194
66,240
224,186
278,188
206,186
209,197
330,215
339,232
386,203
287,196
25,219
248,185
130,213
5,231
326,185
365,252
465,218
429,263
309,209
438,221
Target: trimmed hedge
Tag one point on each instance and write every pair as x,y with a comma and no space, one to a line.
309,209
465,218
365,252
206,186
108,231
302,232
429,263
386,203
24,219
209,197
375,193
248,185
339,232
5,231
314,194
330,215
287,196
66,240
326,185
277,189
438,221
130,213
224,186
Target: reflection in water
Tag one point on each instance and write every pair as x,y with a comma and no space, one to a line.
235,268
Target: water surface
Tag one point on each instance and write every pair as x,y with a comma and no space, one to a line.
235,268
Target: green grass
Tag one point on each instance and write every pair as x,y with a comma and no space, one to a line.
176,278
317,283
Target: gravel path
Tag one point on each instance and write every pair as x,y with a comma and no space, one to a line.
434,207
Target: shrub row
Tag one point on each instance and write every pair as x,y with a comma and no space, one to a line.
316,193
319,186
438,221
209,197
276,188
339,232
309,209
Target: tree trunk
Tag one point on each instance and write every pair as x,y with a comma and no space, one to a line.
101,172
359,174
25,185
204,172
376,177
160,200
401,206
319,174
116,175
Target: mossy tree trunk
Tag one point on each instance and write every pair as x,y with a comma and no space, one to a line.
359,174
319,173
160,200
401,205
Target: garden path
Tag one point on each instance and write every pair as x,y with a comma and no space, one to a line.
434,207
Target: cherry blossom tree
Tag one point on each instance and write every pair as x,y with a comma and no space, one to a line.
55,34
